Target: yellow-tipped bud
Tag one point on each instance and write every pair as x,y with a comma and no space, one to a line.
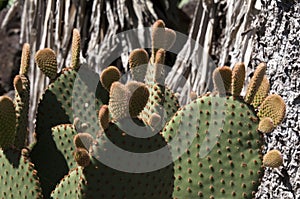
274,107
255,82
273,159
238,78
109,76
46,61
75,49
25,59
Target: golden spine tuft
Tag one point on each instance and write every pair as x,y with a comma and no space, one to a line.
255,82
261,93
25,59
119,101
238,79
138,60
138,99
273,159
108,76
75,50
103,117
46,61
266,125
83,140
82,157
274,107
222,79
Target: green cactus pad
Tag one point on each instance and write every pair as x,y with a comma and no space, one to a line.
21,101
75,49
222,79
273,159
274,107
138,60
255,82
18,177
7,122
25,59
46,61
68,186
102,181
72,95
63,137
108,76
216,149
238,79
261,93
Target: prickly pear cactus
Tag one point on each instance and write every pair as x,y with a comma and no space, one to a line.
107,171
66,98
18,177
217,145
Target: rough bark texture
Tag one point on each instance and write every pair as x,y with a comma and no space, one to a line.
277,43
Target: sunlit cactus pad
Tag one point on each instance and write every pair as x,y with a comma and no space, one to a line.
217,149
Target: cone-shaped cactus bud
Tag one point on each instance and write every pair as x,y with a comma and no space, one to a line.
7,122
25,59
274,107
75,49
82,157
154,120
159,71
266,125
262,92
273,159
109,76
139,97
222,79
83,140
170,37
119,101
103,117
193,95
138,60
255,82
238,78
46,61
